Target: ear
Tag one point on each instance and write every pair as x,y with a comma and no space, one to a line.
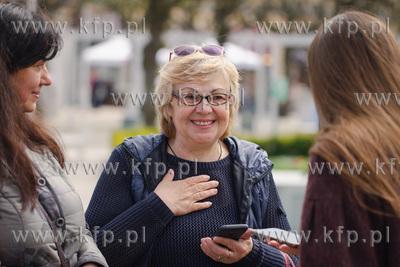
169,112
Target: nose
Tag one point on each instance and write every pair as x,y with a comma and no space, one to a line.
45,78
204,107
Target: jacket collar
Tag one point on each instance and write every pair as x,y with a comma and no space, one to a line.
250,165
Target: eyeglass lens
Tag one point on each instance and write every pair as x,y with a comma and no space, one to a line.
212,50
194,98
184,50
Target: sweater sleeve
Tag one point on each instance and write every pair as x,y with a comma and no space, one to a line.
335,224
263,254
122,229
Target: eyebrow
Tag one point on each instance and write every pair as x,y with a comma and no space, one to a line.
216,89
196,89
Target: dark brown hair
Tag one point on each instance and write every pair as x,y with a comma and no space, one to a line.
344,63
19,50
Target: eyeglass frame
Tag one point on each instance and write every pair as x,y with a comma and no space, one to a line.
204,96
196,49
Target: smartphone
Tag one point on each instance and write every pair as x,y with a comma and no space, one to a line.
291,239
232,231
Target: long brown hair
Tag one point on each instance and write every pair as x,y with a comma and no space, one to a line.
19,50
346,62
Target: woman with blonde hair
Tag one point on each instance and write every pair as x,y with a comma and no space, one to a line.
352,211
173,190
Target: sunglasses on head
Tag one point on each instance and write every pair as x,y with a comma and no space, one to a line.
185,50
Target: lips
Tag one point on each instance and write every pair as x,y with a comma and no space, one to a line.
203,123
36,94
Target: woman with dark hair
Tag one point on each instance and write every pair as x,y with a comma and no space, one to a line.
41,216
353,215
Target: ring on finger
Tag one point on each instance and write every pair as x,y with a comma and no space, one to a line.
229,256
219,257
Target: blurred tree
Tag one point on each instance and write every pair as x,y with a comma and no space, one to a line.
157,15
225,15
223,9
51,5
383,8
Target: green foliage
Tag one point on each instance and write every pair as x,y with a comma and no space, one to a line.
290,162
286,152
295,145
119,135
286,145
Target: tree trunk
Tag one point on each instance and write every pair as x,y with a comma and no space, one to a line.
222,10
156,16
150,67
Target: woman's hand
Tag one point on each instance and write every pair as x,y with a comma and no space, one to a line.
283,247
232,252
183,196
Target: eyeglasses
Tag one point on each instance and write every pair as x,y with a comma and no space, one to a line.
185,50
193,98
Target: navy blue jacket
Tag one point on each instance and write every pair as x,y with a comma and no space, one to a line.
255,193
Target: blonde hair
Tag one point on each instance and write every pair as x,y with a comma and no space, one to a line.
197,67
344,65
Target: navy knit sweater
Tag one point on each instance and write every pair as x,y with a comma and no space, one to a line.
124,230
182,235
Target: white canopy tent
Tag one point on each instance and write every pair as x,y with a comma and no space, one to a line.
114,52
118,51
118,60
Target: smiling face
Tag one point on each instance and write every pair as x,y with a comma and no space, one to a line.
28,83
203,123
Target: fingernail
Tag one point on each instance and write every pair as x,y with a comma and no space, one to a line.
171,171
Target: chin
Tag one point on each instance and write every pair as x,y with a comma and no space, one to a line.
205,139
29,109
